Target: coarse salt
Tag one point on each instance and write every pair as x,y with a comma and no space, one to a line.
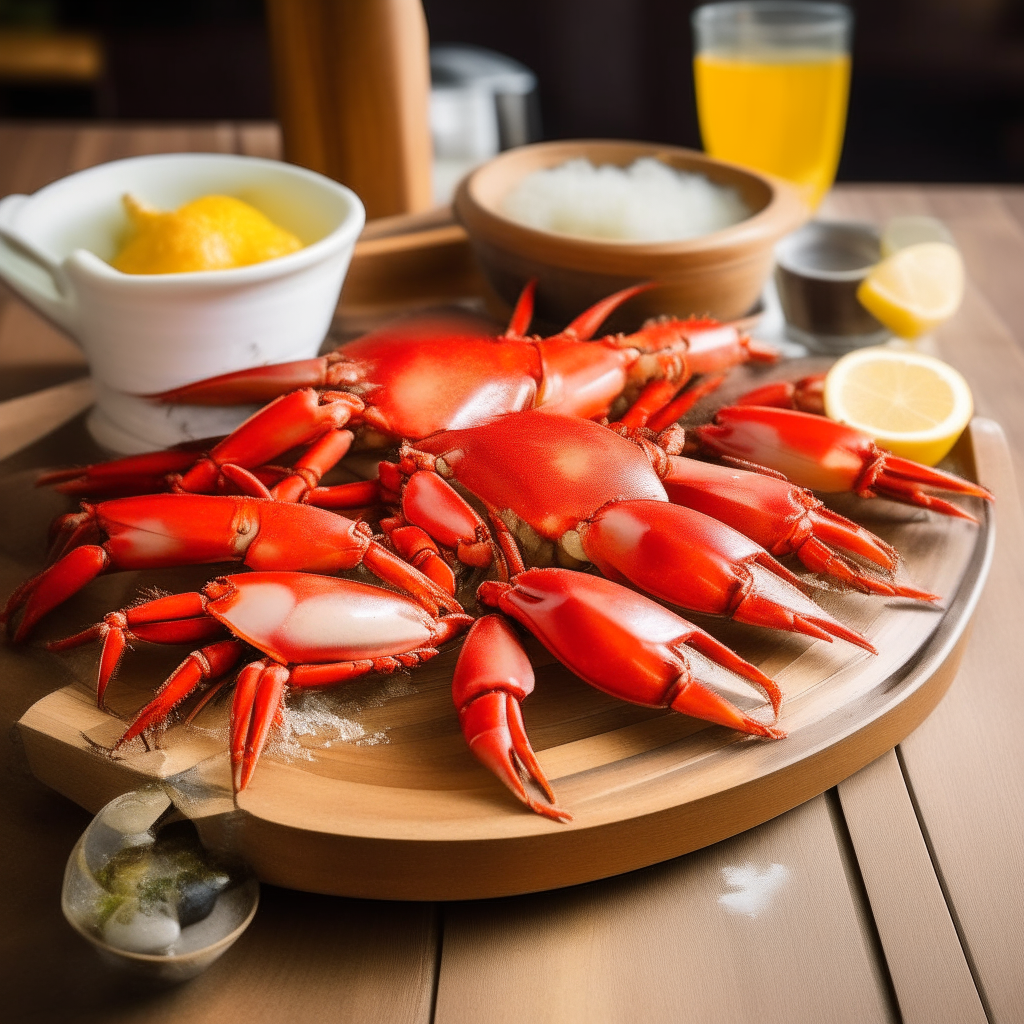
645,202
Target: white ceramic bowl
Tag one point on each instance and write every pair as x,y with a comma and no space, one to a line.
147,333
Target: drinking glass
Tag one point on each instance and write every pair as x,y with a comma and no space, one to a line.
772,80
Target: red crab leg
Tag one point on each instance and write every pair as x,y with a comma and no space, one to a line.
713,347
259,692
295,419
627,645
134,474
523,313
321,456
53,586
807,395
305,417
264,383
656,395
358,494
694,561
655,408
389,567
785,519
335,369
176,619
676,410
261,687
73,531
826,456
199,667
492,678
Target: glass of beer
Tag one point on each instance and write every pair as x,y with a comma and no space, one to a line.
772,79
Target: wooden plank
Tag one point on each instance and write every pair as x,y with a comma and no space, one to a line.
30,417
766,926
259,138
965,768
388,273
33,156
33,353
931,978
992,245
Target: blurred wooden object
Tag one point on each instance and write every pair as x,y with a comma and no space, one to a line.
29,417
352,79
73,57
404,261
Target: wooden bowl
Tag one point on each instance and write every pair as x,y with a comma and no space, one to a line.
720,274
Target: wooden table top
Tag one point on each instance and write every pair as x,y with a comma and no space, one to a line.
897,896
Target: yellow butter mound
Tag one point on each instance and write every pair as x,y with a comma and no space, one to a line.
211,233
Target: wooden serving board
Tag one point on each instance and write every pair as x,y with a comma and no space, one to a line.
374,794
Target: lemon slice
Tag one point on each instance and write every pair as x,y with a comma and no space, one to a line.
915,288
911,230
912,404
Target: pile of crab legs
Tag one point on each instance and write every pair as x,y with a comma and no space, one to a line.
568,451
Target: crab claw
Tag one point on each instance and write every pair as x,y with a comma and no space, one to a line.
818,453
586,325
492,677
694,561
629,646
786,519
807,395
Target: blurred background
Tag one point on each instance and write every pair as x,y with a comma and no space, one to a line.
937,91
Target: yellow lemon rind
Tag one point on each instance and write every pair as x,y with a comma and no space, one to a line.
928,446
892,291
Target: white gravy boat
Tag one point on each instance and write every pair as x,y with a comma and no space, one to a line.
146,333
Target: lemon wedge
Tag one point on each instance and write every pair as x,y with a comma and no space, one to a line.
915,288
912,229
210,233
914,405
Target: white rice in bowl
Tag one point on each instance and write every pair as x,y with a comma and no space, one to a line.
645,202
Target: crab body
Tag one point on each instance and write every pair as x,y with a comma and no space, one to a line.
411,380
574,491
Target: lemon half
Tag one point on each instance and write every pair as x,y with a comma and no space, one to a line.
915,289
914,405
